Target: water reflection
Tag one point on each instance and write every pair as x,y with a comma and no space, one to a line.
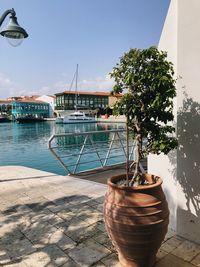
89,151
86,127
26,144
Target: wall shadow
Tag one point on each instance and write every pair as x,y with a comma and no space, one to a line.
46,233
188,169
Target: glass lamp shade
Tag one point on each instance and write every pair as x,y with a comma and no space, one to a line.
14,42
13,32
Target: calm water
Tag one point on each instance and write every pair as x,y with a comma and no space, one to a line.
27,144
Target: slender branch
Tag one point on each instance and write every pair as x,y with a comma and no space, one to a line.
137,161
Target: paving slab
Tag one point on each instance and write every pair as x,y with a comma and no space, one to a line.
111,261
196,260
173,261
88,253
187,250
48,256
52,220
172,243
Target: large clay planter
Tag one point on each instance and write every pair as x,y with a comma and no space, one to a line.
136,219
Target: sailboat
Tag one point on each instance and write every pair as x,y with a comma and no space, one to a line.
76,116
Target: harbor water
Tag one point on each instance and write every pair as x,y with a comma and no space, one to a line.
27,144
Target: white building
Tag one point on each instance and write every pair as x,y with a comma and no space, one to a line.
181,169
48,99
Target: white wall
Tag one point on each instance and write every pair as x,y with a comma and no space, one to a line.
181,169
51,101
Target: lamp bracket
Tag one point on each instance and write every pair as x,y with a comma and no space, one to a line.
6,13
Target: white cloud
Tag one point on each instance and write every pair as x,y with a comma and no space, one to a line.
4,81
103,84
97,84
45,90
9,88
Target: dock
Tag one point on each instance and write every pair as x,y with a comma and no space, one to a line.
52,220
112,119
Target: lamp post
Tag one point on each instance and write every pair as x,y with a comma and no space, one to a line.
13,32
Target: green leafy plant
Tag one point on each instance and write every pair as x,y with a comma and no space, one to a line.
146,79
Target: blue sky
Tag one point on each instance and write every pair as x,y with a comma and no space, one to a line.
92,33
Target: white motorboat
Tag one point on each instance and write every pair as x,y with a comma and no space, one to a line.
59,119
78,117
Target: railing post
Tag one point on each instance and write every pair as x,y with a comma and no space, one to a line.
108,153
80,154
70,152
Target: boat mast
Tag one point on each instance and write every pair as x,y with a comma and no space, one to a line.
76,92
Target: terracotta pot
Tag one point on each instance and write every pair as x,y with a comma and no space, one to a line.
136,219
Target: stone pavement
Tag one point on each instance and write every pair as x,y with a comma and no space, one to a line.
48,220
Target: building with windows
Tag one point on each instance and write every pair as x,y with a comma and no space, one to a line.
5,106
50,99
29,108
70,100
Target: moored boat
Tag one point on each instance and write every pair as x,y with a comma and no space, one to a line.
29,119
78,117
4,118
59,120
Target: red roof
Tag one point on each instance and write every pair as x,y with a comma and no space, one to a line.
34,96
53,96
30,101
6,101
85,93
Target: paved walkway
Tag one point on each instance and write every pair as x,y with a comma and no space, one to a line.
48,220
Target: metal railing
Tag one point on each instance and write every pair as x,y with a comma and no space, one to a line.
85,151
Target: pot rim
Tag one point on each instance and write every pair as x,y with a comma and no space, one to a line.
135,188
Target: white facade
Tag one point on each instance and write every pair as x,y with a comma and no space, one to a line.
51,100
180,170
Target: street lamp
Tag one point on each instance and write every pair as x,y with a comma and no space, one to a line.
13,32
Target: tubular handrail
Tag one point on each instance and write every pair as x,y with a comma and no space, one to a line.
84,133
101,150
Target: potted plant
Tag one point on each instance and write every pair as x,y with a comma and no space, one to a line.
135,209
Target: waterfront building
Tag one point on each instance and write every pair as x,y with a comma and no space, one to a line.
50,99
22,97
90,101
30,108
5,106
112,99
69,100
